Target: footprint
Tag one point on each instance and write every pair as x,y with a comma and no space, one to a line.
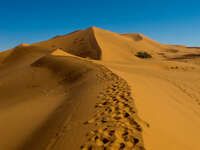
116,126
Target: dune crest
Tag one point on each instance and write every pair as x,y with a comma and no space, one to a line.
59,52
23,45
80,43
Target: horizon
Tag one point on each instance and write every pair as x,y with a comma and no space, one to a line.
168,22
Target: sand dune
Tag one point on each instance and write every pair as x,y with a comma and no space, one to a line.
104,45
168,99
88,90
81,43
4,54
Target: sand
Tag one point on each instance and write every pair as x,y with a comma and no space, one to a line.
87,90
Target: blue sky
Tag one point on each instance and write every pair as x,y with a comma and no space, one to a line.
167,21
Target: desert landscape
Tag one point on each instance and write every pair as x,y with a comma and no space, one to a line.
94,89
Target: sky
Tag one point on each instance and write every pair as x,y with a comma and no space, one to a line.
166,21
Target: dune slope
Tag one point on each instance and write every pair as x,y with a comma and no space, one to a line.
76,92
167,97
81,43
52,101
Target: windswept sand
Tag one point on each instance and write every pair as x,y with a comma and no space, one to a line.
87,90
168,100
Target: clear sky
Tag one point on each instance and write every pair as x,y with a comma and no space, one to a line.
167,21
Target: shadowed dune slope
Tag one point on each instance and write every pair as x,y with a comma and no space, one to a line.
81,43
4,54
25,55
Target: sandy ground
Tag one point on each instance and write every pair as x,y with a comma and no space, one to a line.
87,90
168,100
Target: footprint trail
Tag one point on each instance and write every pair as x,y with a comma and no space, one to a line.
114,125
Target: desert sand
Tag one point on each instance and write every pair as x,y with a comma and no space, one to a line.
88,90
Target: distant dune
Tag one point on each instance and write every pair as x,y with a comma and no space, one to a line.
91,90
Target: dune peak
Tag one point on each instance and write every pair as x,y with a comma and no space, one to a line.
93,27
23,45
